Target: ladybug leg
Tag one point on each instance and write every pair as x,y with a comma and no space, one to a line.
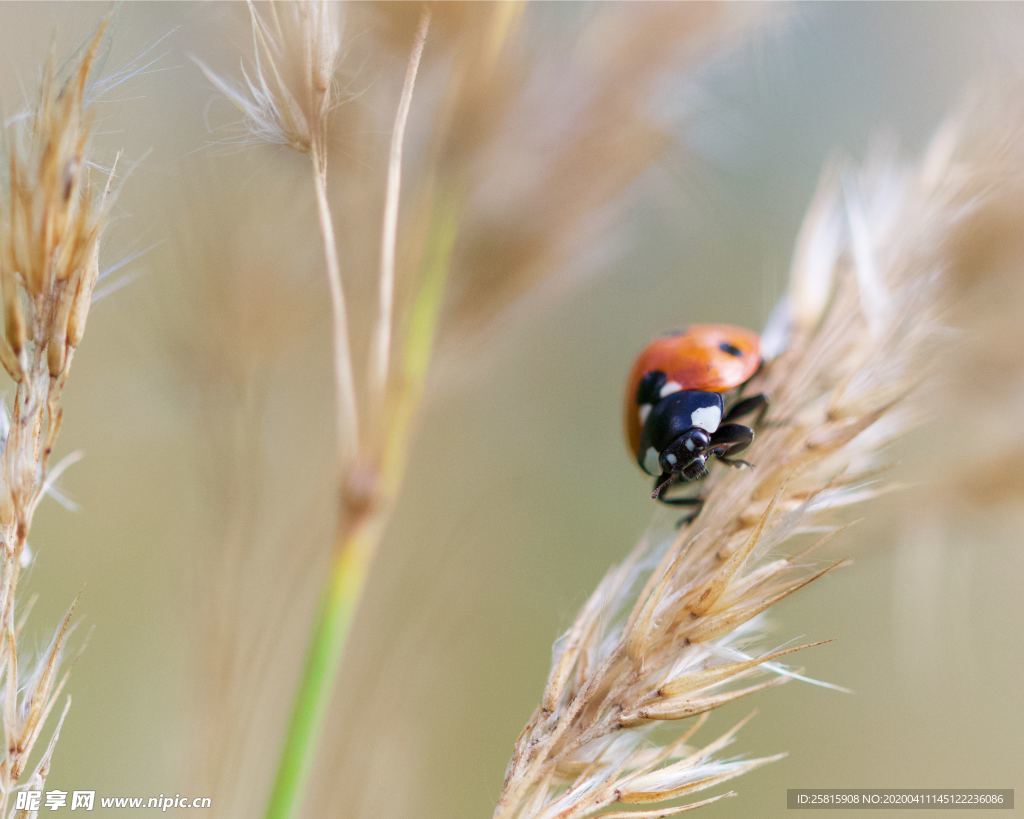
694,503
697,502
747,406
730,439
685,519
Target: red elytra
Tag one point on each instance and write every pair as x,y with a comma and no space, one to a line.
709,357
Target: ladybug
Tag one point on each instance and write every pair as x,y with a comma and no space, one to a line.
682,401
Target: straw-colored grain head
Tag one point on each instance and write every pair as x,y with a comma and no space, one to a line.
51,221
674,631
49,261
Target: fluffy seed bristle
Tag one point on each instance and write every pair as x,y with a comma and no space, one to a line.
287,91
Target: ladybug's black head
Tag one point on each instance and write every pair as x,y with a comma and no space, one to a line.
685,457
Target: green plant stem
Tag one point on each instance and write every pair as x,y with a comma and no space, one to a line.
360,531
333,623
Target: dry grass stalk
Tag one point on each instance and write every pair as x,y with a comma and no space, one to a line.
483,115
853,336
535,140
52,221
293,108
286,99
381,351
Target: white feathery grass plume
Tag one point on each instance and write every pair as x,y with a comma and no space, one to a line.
668,633
288,89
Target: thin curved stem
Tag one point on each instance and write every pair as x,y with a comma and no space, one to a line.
381,351
360,531
344,381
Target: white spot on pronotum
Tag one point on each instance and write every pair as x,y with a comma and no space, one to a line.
645,410
689,445
670,387
707,418
651,465
672,459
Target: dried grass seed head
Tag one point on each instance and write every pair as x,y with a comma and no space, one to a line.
50,228
51,224
674,631
287,90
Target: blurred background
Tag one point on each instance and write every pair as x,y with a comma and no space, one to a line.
629,168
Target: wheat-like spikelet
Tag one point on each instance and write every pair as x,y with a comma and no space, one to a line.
670,633
50,228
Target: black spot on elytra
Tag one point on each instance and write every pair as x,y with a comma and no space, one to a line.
649,389
731,349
